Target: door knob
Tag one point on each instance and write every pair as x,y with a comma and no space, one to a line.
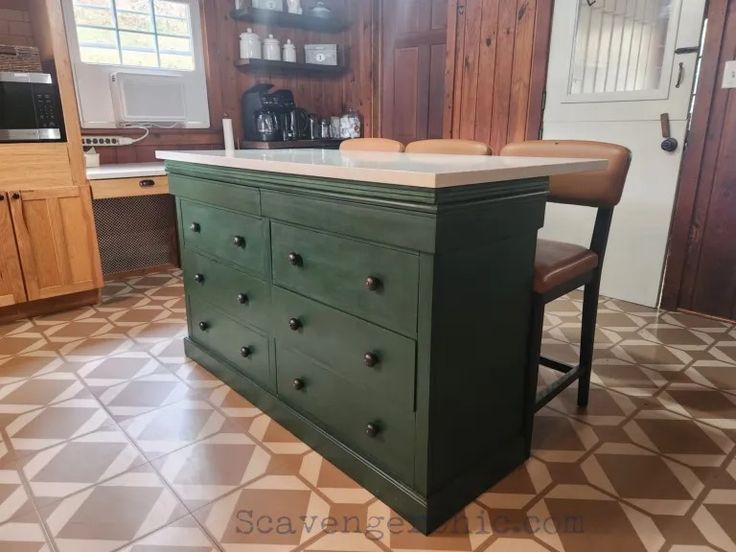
238,241
295,324
195,227
669,144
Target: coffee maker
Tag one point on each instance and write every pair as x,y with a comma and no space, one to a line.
253,102
272,116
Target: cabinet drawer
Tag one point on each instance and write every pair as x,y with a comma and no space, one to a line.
374,282
342,409
243,348
243,297
129,187
232,237
373,358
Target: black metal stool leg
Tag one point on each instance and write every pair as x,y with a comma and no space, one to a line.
587,338
532,372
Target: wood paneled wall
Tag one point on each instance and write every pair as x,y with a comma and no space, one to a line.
701,266
323,95
497,64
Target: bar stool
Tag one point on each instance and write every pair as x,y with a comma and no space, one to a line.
451,147
560,268
372,144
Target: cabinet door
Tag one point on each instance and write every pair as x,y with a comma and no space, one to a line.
11,279
56,241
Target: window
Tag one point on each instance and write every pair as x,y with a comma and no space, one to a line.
142,33
156,44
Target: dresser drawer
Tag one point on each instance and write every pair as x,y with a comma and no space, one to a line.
374,282
381,434
238,239
378,360
245,298
242,347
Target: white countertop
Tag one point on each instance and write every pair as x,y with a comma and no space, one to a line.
125,170
416,170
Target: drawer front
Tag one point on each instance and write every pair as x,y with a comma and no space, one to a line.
242,347
129,187
232,237
243,297
342,409
376,283
229,196
377,360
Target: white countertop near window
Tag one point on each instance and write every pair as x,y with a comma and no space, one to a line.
404,169
125,170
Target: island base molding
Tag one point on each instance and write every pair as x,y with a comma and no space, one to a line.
426,514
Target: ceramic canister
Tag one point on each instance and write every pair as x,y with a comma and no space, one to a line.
272,48
250,45
289,51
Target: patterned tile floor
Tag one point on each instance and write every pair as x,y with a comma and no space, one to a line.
112,440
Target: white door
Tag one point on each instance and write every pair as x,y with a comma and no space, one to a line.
615,67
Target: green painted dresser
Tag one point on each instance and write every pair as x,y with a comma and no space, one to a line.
384,325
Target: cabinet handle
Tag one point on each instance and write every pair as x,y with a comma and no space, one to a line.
295,259
372,283
199,278
371,430
147,183
204,326
298,383
2,197
242,298
370,359
238,241
195,227
245,352
15,195
295,323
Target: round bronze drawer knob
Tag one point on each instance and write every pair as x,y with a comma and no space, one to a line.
242,298
372,284
295,259
238,241
245,352
199,278
371,430
295,323
15,195
195,227
370,359
204,326
298,384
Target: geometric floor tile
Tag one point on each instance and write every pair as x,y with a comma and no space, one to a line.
213,467
113,513
77,464
173,427
111,439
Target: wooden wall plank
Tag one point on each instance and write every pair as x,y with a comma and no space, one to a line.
522,69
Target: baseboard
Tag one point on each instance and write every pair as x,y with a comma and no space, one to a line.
49,306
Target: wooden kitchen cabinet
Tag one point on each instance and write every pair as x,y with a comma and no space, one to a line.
54,231
12,290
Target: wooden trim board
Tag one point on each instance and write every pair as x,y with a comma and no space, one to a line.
129,187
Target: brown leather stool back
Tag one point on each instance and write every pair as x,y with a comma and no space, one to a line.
372,144
594,189
451,147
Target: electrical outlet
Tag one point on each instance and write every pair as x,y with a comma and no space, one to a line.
105,141
729,75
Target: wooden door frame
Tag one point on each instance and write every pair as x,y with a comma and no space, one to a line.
540,61
684,213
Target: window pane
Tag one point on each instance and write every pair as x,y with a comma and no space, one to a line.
135,21
93,16
93,3
142,59
172,9
137,41
107,56
141,6
180,63
178,27
171,44
92,36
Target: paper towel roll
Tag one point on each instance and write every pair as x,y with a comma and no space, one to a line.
227,131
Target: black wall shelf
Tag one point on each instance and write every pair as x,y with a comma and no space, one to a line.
333,24
271,66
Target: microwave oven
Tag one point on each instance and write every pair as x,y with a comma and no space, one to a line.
29,108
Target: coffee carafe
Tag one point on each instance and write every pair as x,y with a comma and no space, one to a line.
298,125
267,125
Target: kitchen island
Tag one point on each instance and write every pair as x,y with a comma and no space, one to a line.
375,304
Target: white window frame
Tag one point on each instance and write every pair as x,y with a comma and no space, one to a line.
92,80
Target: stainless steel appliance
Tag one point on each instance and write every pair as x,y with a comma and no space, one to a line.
29,108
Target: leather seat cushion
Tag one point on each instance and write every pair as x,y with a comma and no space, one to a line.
559,262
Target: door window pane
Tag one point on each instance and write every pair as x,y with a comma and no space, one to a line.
619,45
